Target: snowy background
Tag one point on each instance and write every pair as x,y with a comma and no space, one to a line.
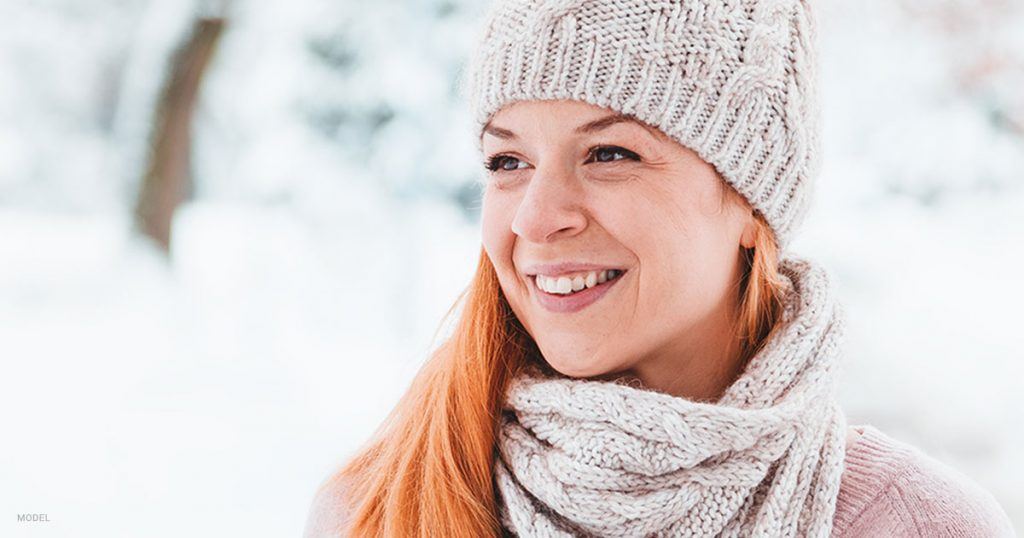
334,221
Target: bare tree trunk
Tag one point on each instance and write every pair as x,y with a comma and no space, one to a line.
168,179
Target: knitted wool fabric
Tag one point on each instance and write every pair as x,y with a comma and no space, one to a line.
579,457
733,80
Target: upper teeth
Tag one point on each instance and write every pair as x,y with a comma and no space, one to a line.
571,283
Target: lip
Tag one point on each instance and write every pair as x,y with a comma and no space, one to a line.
559,269
575,302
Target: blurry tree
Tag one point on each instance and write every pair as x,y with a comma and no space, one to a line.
984,45
924,100
387,73
62,69
167,180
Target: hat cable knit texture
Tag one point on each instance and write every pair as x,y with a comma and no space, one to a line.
582,457
733,80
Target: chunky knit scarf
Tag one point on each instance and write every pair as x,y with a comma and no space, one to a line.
579,457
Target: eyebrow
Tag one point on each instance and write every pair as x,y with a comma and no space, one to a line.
586,128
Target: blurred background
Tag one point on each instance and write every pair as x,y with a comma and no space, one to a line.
229,231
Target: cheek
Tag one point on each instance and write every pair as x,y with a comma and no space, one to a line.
495,227
651,224
499,243
669,236
497,237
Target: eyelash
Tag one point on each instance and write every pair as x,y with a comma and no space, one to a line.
493,163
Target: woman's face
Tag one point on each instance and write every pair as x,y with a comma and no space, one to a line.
573,190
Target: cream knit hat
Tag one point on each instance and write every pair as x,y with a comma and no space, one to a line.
733,80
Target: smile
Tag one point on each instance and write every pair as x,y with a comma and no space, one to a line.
561,300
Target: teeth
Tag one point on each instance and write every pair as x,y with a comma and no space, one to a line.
564,285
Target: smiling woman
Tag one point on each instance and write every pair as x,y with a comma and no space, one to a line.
637,353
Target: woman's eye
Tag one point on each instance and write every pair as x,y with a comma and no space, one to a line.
502,162
607,154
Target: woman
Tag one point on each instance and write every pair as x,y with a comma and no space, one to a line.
636,355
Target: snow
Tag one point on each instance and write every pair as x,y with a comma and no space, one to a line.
186,398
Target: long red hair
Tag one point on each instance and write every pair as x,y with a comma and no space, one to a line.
426,471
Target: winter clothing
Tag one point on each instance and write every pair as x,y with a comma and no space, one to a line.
893,489
732,80
581,457
888,488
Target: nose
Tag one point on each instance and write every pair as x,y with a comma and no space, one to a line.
552,206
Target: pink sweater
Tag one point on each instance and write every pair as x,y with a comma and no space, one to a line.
888,489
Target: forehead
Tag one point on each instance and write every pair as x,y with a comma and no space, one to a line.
581,123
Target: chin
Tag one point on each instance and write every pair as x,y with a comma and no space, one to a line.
573,367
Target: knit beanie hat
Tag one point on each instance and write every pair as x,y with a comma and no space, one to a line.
733,80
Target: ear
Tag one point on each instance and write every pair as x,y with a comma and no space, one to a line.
749,230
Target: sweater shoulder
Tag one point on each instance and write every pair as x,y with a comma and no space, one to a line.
327,512
891,488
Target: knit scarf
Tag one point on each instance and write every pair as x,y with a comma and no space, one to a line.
585,457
